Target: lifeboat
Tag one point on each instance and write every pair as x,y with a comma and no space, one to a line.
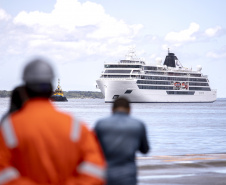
184,85
177,84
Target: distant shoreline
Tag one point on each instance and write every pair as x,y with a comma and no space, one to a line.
73,94
68,94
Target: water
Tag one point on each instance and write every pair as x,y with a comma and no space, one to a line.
173,128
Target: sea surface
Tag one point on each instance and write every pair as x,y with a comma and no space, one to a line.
173,128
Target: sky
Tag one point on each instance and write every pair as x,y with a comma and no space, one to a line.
78,36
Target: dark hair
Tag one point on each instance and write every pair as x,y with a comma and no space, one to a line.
43,90
18,98
121,102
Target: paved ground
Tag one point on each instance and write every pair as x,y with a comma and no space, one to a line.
196,169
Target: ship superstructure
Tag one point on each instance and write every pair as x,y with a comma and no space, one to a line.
167,82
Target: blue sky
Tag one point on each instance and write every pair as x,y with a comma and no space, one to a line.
78,36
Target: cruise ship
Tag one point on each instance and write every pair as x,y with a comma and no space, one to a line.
163,82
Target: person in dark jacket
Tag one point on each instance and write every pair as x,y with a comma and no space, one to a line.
120,137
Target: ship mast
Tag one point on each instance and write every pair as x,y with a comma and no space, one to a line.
58,87
131,54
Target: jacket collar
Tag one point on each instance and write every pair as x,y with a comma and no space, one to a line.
120,113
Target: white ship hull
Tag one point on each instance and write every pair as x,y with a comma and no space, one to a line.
118,87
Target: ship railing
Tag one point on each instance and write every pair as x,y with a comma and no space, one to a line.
124,78
132,62
126,62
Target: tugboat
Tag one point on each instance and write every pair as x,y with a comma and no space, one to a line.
58,94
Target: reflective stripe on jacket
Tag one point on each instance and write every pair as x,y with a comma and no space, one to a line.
39,144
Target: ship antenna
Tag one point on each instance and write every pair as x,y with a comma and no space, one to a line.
58,84
131,54
168,51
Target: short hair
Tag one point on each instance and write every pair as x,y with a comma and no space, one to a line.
121,102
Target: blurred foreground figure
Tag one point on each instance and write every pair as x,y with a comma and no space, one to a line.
120,137
18,98
40,145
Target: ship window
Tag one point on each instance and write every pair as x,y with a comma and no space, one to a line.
116,76
154,73
115,97
122,66
200,88
128,91
195,75
153,82
180,92
150,68
117,71
155,87
174,78
198,84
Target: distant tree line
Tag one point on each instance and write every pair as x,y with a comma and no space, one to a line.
83,94
4,94
68,94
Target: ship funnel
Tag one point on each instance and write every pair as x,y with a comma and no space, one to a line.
170,60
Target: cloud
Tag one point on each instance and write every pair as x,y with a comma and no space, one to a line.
74,36
67,14
165,47
184,35
3,15
71,31
216,55
71,15
211,32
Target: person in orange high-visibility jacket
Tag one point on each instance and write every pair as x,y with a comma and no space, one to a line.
41,145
